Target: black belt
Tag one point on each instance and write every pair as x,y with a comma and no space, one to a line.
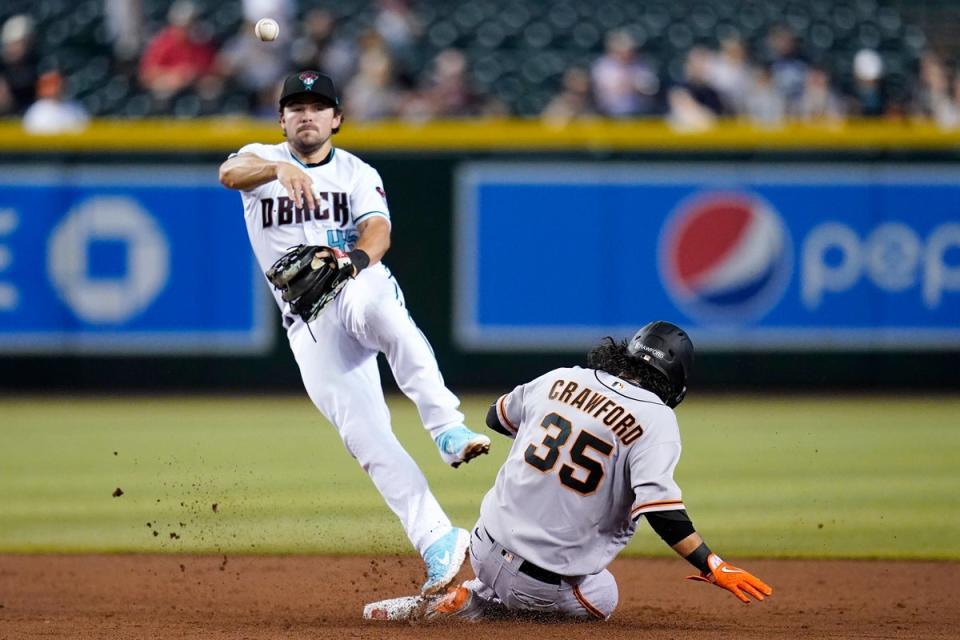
530,569
539,573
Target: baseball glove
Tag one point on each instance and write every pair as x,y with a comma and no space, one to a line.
310,278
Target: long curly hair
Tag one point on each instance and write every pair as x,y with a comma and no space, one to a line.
611,356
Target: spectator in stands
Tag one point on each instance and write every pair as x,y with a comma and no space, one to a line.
18,64
950,118
788,67
623,83
573,101
932,98
819,104
124,22
729,73
253,67
400,29
765,106
6,98
322,46
207,99
177,57
372,94
52,113
694,104
870,99
446,91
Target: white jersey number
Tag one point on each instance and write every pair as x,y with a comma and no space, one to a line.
553,442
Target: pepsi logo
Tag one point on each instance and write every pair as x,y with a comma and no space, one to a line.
725,257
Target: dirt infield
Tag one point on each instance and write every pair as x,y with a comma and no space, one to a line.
322,597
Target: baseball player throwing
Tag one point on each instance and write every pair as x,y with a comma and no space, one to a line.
594,451
306,192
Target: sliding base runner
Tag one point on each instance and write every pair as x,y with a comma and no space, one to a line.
594,451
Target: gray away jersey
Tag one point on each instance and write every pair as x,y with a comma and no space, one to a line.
347,190
591,453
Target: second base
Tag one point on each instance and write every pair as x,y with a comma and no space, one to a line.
405,608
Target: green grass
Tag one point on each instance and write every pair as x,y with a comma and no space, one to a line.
762,476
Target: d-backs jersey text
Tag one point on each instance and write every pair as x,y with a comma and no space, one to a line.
347,191
591,453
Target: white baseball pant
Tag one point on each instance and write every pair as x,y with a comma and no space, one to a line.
340,374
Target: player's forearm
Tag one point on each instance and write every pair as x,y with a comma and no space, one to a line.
374,239
688,545
247,171
676,529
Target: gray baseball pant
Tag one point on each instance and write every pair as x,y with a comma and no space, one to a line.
507,581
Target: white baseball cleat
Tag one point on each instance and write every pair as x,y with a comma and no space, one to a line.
458,445
444,559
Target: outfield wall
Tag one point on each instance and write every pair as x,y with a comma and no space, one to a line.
798,258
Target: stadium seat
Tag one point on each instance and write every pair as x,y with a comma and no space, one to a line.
468,16
136,106
187,106
586,36
562,16
443,34
537,35
490,35
703,20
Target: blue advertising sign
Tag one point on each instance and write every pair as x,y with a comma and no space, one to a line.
554,256
128,260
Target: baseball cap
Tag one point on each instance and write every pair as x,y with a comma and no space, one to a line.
309,83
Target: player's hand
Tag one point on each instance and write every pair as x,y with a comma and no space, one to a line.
345,265
735,580
298,184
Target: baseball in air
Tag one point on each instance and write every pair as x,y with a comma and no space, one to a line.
267,29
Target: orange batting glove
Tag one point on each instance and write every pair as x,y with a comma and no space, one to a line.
736,581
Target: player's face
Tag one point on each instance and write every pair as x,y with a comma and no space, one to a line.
308,122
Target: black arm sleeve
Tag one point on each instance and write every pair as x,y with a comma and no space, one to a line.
493,421
673,526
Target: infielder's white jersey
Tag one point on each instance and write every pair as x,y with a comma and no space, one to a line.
591,454
347,190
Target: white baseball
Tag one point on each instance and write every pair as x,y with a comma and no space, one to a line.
267,29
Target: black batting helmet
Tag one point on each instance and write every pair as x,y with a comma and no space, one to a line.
668,349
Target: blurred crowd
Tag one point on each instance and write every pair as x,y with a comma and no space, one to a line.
183,71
